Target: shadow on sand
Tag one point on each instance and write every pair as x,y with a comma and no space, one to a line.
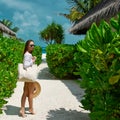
45,74
12,110
76,91
62,114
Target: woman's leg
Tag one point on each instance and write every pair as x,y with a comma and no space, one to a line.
23,99
30,97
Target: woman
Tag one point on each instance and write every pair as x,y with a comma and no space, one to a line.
28,86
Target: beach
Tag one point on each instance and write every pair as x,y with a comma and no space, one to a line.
58,100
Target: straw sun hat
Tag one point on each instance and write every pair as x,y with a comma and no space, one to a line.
37,89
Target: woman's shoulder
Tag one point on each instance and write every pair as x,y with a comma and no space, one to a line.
27,54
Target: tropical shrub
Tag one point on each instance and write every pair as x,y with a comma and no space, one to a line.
38,53
60,60
100,70
11,52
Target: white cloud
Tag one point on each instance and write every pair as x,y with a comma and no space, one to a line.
27,18
49,18
32,16
28,23
21,5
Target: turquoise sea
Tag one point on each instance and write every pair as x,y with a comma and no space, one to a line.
43,49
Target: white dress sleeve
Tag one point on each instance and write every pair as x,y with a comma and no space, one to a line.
27,61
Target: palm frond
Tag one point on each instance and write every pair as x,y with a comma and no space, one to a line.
104,10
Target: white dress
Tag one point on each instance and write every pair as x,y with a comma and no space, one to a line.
27,71
27,61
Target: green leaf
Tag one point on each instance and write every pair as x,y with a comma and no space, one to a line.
114,79
80,48
96,34
114,23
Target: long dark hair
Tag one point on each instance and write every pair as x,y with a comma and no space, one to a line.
27,45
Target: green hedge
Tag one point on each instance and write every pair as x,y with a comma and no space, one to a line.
100,70
60,60
38,53
11,52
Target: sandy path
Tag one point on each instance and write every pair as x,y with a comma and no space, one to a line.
59,100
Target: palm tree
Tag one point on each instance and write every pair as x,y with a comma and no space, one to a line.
9,24
78,8
53,33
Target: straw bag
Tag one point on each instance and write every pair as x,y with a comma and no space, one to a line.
27,75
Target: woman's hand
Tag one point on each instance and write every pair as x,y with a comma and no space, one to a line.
34,58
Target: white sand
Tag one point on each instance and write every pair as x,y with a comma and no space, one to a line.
59,99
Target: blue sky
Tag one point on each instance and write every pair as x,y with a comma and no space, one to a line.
32,16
